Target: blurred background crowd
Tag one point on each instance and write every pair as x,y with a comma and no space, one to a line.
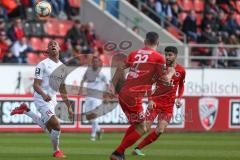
203,22
24,37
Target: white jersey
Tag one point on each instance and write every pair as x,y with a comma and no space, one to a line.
95,79
43,71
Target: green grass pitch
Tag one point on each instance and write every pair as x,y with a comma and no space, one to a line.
77,146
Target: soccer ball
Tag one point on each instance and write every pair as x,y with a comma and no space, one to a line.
43,9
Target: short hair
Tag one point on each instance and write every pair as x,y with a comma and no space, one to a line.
171,49
152,38
77,21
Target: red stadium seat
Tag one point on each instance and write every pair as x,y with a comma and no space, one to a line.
60,41
238,5
182,16
36,43
195,64
64,26
174,32
237,16
105,60
198,5
187,5
74,3
45,43
199,19
199,30
51,27
42,56
32,58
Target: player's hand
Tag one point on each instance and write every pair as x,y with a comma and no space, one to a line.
70,113
151,105
178,102
111,92
46,97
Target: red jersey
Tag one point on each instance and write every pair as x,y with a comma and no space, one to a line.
177,83
144,64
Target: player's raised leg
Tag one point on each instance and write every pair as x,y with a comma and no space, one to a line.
23,109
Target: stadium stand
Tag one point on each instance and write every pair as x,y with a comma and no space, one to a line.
204,22
14,25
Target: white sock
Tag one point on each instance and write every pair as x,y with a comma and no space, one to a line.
36,119
95,128
55,139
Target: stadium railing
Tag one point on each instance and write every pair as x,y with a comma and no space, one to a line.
206,55
195,55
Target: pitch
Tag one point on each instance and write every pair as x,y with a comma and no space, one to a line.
77,146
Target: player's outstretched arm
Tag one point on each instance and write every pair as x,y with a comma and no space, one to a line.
37,88
63,92
80,92
180,91
118,78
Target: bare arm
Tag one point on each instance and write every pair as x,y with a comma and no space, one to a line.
118,78
37,88
63,92
81,85
180,89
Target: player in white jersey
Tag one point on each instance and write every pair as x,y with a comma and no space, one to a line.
96,81
45,98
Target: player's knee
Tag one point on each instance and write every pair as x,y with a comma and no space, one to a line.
56,126
54,123
141,128
148,128
160,130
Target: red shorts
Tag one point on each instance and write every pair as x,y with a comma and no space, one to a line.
163,113
135,113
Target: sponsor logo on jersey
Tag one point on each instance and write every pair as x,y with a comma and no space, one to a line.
208,110
177,74
37,71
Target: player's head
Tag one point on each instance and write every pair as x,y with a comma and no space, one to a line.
53,49
77,24
171,55
151,40
96,62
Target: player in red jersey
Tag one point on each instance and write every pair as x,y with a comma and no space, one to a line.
162,105
145,65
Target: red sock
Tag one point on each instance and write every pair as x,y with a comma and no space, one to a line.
148,140
129,130
128,141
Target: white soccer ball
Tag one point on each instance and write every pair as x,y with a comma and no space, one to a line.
43,8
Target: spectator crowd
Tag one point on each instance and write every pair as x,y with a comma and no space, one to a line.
24,36
203,22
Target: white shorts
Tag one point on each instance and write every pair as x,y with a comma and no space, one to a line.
47,109
91,103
